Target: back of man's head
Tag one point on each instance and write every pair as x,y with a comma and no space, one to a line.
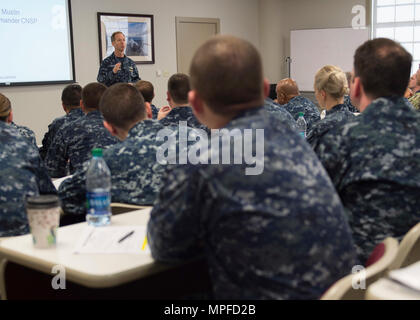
227,71
286,89
383,66
91,95
178,88
146,89
71,96
122,105
5,107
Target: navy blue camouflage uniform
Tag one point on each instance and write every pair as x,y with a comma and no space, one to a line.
73,143
128,72
155,111
135,173
349,105
74,114
334,117
182,114
279,235
26,132
374,163
22,174
280,112
302,104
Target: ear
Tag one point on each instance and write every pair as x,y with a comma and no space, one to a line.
112,130
149,112
266,88
10,117
82,105
357,87
196,103
168,97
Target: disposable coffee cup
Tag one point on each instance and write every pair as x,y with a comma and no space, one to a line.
44,217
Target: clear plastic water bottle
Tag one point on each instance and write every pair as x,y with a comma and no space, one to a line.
301,125
98,187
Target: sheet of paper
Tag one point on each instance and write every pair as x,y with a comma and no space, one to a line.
408,276
112,239
58,181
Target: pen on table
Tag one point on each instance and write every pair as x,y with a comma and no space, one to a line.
126,236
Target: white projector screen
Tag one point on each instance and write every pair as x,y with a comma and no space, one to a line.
37,44
310,50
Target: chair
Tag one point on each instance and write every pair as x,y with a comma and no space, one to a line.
381,258
117,207
409,249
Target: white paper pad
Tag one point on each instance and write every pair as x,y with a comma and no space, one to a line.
408,276
58,181
107,240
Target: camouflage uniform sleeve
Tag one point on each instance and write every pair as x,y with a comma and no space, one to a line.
172,214
47,140
136,76
104,76
72,192
45,185
330,151
56,158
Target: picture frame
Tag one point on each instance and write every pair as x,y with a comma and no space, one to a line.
138,30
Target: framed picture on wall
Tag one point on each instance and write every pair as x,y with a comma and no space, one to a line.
138,31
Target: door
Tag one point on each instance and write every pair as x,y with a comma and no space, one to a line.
191,33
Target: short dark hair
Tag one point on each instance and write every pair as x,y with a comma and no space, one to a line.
71,95
178,87
91,95
146,89
383,66
227,71
122,105
115,34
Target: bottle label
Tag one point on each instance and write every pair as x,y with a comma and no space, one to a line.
98,202
303,134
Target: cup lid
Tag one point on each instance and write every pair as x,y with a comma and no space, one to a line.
43,201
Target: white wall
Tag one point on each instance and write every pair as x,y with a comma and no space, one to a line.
37,106
279,17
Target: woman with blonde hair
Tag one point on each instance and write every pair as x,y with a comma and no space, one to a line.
330,87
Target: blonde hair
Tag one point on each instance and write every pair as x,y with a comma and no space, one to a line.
332,80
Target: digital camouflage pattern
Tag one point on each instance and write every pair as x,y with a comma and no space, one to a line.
279,235
182,114
22,174
74,114
128,72
374,163
73,143
335,116
349,105
280,112
302,104
135,173
25,132
155,111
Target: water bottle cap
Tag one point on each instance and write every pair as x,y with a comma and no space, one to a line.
97,152
301,114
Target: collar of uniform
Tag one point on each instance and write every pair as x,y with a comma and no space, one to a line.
245,114
116,58
179,112
144,126
386,105
94,114
337,108
76,111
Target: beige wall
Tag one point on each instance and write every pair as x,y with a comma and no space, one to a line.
37,106
279,17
